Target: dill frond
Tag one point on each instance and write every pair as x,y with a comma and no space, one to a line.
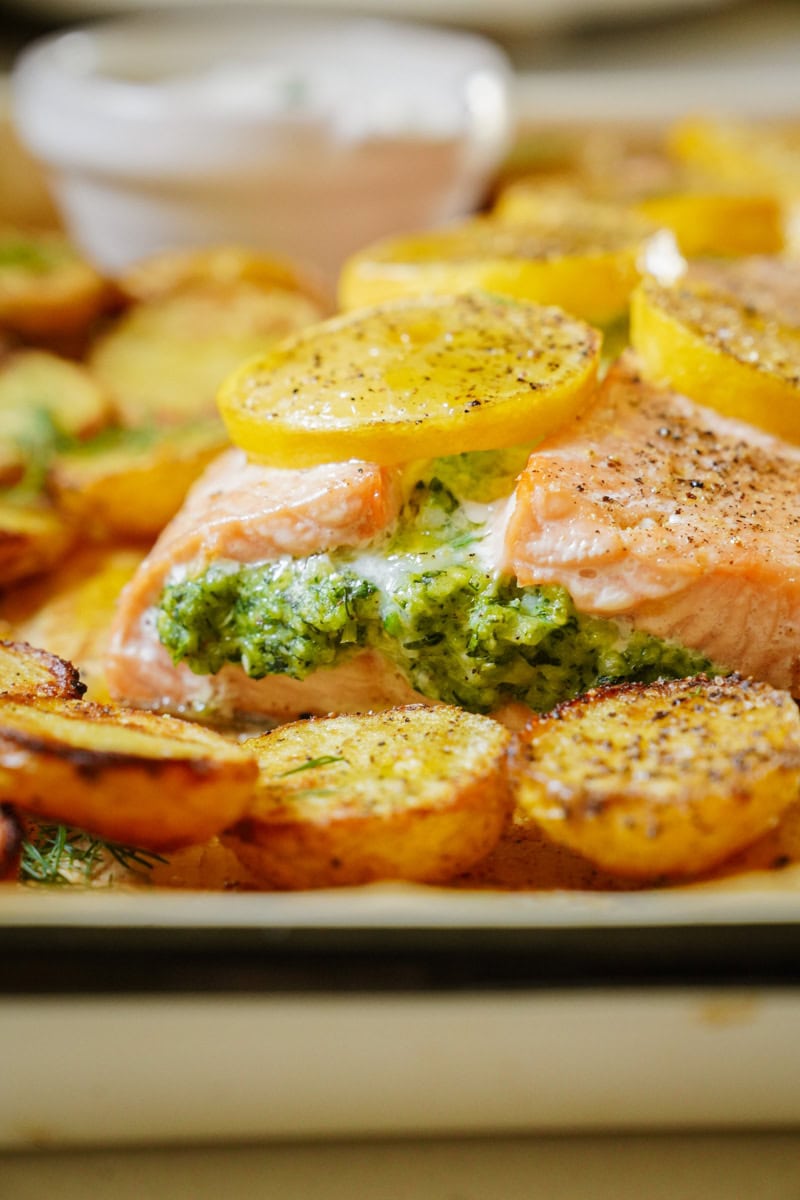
57,855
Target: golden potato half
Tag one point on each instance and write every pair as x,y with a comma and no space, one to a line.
10,842
131,484
46,289
43,396
131,777
32,540
70,610
176,269
416,793
28,671
163,360
659,780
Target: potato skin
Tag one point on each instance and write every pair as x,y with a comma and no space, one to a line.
25,670
373,825
663,780
11,834
127,776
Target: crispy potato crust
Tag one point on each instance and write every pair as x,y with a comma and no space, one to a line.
10,843
26,670
131,777
417,793
660,780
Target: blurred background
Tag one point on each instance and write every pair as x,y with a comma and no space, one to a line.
630,65
630,62
538,34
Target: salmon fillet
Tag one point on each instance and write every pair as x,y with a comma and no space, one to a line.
243,512
686,522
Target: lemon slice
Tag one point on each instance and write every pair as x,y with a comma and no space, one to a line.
713,220
747,154
413,379
584,258
727,340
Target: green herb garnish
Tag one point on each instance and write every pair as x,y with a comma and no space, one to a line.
58,855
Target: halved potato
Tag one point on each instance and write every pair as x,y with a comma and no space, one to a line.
176,269
32,540
163,360
28,671
46,289
583,257
660,780
70,611
132,777
727,341
132,484
11,834
411,378
417,793
43,396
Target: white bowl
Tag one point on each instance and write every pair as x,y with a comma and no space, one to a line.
299,133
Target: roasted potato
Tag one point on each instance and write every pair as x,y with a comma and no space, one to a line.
28,671
70,611
177,269
131,777
163,361
10,842
47,291
660,780
43,397
132,484
33,539
416,793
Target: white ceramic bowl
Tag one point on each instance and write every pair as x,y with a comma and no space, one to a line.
303,134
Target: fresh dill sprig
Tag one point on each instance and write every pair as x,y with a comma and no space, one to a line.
58,855
324,760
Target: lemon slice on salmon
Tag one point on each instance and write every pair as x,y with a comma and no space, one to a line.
582,257
412,379
727,340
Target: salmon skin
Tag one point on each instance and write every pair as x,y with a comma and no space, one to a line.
685,522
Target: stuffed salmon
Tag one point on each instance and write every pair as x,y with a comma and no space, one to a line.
646,537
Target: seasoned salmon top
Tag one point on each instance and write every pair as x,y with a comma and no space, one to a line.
647,491
247,512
